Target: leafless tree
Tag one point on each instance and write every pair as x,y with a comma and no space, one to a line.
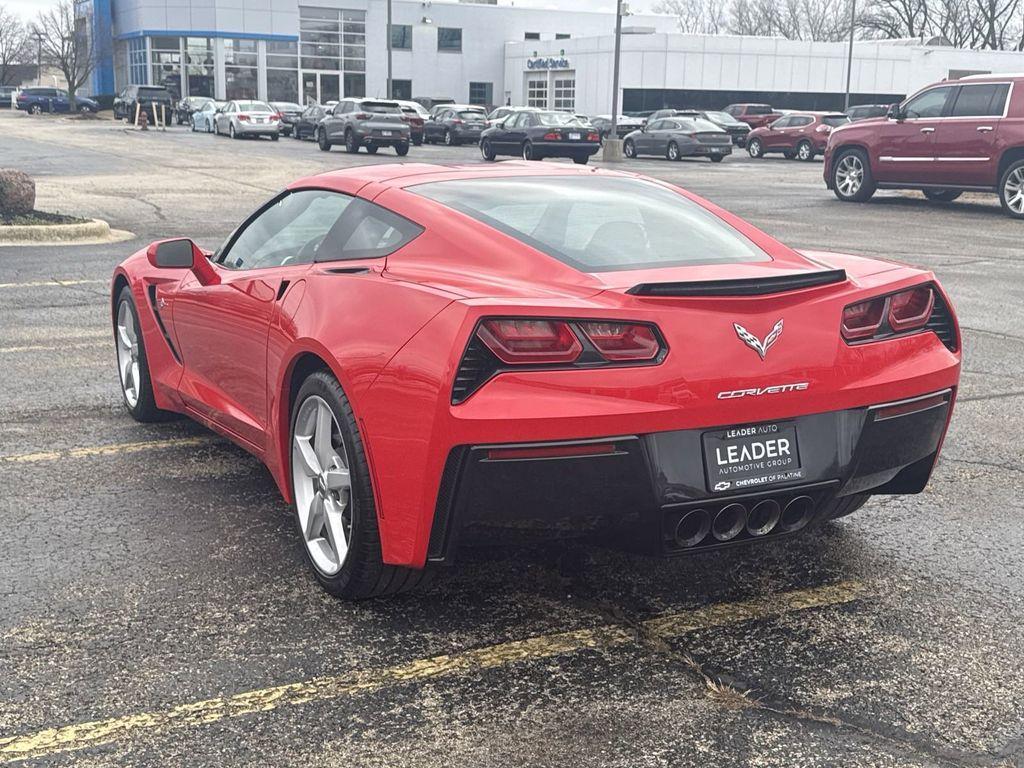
754,17
895,18
13,45
954,20
67,44
992,20
696,17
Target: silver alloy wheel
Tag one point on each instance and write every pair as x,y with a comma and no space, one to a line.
322,485
849,175
673,151
1013,191
804,151
128,353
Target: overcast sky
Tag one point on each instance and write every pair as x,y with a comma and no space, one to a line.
29,8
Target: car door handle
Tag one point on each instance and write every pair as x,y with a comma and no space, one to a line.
927,130
984,128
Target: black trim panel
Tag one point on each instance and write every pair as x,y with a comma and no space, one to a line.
762,286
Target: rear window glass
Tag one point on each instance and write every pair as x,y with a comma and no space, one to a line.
253,106
699,124
151,91
759,109
597,224
288,106
378,108
471,114
835,120
557,118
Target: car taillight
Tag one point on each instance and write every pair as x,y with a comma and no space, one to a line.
862,321
277,116
361,116
525,342
910,310
244,118
551,136
593,137
622,341
456,122
824,129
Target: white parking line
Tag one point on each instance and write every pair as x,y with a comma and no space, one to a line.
52,283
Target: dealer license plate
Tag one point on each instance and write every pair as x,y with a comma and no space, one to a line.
259,119
574,137
751,457
385,133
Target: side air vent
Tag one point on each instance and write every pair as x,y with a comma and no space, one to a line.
761,286
160,322
941,322
477,366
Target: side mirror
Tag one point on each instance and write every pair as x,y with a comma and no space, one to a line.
182,253
895,112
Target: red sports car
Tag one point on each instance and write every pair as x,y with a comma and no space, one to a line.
419,353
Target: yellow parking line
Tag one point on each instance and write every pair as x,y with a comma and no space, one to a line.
109,450
51,283
98,732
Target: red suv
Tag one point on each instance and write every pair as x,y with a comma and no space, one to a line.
948,138
802,135
754,115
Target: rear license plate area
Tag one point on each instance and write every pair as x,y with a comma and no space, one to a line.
751,457
574,137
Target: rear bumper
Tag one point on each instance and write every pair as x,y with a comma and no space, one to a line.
704,150
566,148
652,490
268,129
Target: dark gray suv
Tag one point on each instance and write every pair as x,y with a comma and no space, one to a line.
369,123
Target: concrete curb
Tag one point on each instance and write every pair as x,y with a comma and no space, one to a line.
92,231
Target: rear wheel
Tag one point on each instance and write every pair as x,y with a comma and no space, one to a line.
275,136
402,148
717,158
529,153
942,195
351,142
35,109
321,140
486,150
755,149
333,497
1011,190
371,149
192,124
132,364
231,131
417,141
581,159
672,153
851,177
804,151
629,148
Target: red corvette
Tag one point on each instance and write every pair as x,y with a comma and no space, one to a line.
420,352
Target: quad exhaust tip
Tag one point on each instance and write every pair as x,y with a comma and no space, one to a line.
730,520
797,514
692,527
763,518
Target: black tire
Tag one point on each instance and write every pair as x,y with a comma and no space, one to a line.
942,195
402,148
145,409
845,161
716,158
529,153
581,159
1011,189
231,132
844,506
487,151
321,140
449,140
35,109
805,151
216,128
672,151
417,141
351,142
85,109
371,149
755,149
296,135
275,136
363,573
629,148
192,123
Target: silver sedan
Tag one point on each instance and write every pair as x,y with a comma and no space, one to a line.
202,119
247,118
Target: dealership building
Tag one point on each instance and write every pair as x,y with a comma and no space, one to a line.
287,50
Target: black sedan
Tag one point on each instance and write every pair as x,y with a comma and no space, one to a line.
290,113
304,126
623,125
678,137
736,129
534,135
455,124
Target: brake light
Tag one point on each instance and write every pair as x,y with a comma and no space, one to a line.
551,136
362,116
910,310
622,341
593,137
862,321
525,342
824,129
244,118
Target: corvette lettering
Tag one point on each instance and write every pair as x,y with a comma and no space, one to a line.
777,389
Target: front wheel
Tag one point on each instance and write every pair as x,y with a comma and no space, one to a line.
487,151
804,151
851,177
132,364
1011,190
333,497
672,153
192,124
449,140
35,109
629,148
755,149
321,140
231,131
402,148
351,142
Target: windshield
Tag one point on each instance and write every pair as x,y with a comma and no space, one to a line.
723,117
597,224
835,120
557,118
758,109
253,106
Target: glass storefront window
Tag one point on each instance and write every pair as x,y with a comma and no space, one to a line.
282,71
199,66
165,58
355,85
137,61
332,39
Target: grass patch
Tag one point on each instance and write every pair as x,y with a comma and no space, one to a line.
37,217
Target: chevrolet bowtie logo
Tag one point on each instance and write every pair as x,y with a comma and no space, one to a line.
761,347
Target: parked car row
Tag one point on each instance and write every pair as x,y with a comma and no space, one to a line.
38,99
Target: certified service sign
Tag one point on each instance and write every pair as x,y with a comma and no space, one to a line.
559,62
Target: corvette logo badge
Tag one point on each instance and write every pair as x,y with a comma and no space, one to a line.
761,347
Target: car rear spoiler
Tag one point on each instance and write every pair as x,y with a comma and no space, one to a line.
756,286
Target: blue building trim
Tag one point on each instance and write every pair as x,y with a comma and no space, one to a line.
204,33
102,78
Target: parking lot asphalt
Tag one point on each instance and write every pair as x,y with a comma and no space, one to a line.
155,608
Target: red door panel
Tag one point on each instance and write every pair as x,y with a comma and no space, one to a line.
965,151
905,151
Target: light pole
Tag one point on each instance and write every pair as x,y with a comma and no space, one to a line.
612,150
39,54
849,53
389,94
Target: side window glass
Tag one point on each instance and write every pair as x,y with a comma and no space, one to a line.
799,122
980,100
928,104
290,231
782,122
366,231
